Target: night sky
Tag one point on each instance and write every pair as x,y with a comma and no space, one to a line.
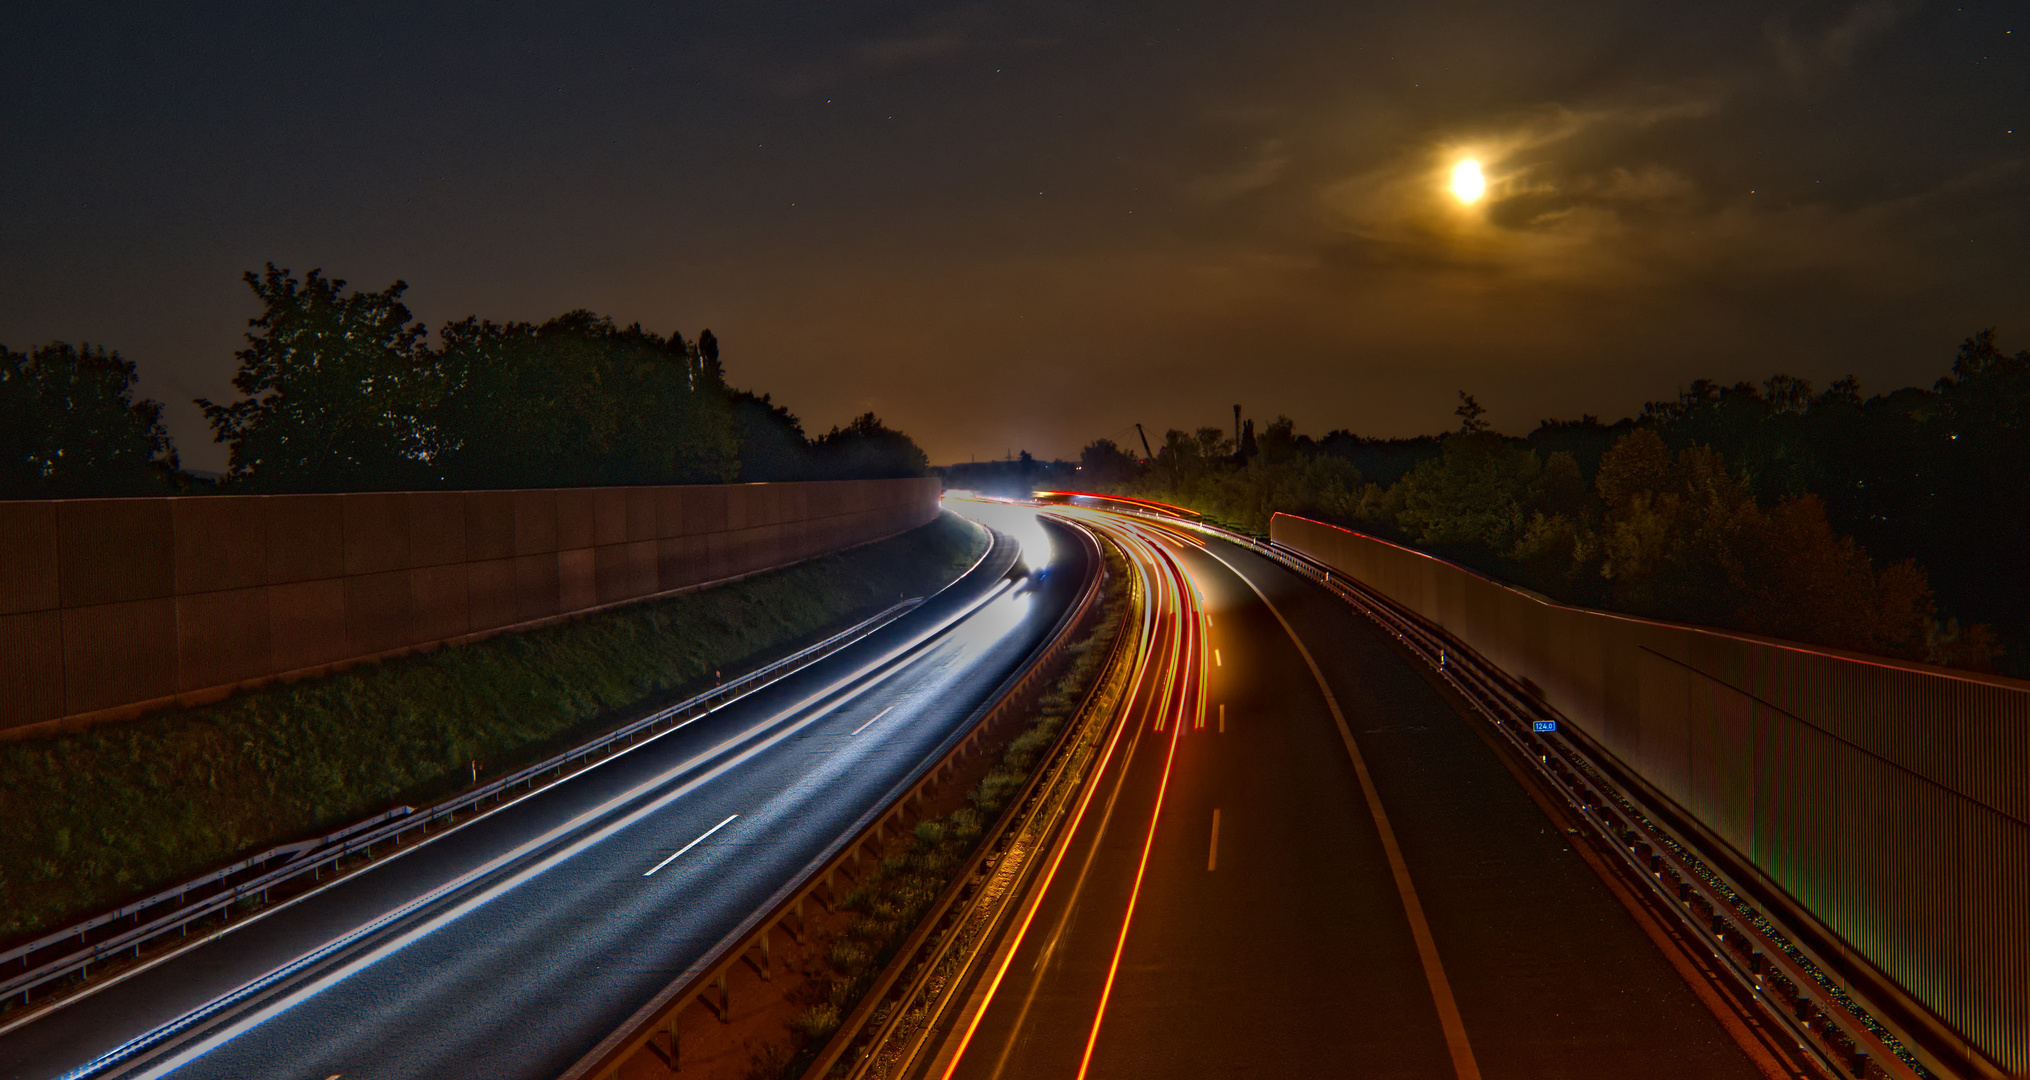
1008,226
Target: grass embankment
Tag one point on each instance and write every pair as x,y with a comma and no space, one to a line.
98,817
898,892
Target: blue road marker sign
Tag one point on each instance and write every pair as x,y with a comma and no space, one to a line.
1544,725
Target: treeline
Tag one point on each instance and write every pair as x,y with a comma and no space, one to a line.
343,391
1897,525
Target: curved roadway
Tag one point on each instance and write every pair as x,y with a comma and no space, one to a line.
1321,870
508,947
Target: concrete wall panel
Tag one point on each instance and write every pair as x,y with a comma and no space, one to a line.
490,594
574,518
697,559
641,513
1722,745
535,521
307,619
609,516
112,550
109,603
28,567
376,532
31,667
377,612
222,638
1664,726
641,568
439,605
219,543
764,504
734,547
704,510
609,573
436,528
577,579
669,502
306,537
536,586
489,525
670,563
717,548
736,497
116,653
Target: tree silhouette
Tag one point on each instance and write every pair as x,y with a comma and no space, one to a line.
334,386
70,427
1469,413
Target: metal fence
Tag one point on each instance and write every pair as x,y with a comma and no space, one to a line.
1888,801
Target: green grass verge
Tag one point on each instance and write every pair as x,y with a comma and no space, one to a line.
96,818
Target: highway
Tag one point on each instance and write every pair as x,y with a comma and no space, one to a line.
508,947
1303,860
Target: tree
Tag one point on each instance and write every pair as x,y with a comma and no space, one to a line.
772,443
1103,464
1476,491
1669,539
70,427
867,449
577,401
1279,442
1801,581
1469,413
334,386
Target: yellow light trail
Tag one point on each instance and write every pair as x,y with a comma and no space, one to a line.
1171,684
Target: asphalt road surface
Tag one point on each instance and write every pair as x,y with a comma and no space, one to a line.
1270,936
518,941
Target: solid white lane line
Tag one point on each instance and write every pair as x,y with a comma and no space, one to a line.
695,843
870,723
1463,1062
1212,857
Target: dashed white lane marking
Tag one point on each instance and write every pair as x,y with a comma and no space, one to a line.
1212,857
692,844
870,723
1463,1061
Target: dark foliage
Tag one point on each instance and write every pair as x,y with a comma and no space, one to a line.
70,427
334,387
866,448
1820,517
340,390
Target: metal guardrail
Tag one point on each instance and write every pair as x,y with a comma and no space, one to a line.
709,977
312,856
1764,962
285,851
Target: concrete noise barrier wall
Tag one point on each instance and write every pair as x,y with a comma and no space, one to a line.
1889,800
109,607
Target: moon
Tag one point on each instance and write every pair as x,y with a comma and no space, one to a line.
1468,185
